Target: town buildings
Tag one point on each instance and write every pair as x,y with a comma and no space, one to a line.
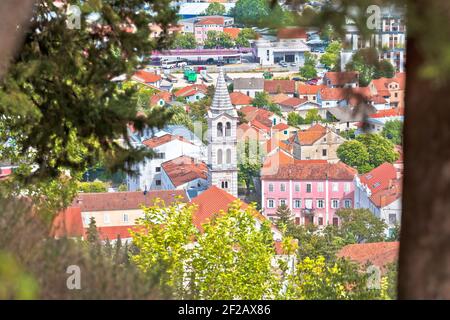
200,26
289,47
379,191
389,37
312,189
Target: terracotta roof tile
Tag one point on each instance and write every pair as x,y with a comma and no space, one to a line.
184,169
191,90
146,77
233,32
164,95
107,201
159,141
341,78
306,89
377,253
312,170
238,98
292,102
279,86
291,33
210,20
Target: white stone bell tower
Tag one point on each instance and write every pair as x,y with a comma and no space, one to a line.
222,141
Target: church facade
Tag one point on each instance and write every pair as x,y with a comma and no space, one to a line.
222,140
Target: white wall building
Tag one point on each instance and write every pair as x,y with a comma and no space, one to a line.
269,53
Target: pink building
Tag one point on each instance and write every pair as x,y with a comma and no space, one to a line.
313,189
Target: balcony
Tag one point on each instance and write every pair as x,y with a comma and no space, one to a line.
308,212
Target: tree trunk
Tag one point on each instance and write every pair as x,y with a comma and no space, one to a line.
424,263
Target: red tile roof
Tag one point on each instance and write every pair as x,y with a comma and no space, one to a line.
333,93
261,115
382,84
378,179
279,86
215,201
259,125
113,232
159,141
146,77
233,32
184,169
210,20
292,102
164,95
191,90
279,98
393,112
310,135
341,78
281,126
388,195
108,201
306,89
377,253
238,98
68,223
312,170
291,33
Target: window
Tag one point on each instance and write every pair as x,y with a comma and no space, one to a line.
158,169
125,217
320,203
224,184
285,132
308,203
158,182
219,156
392,218
270,203
220,129
282,202
320,187
160,155
297,187
320,221
297,203
106,218
228,129
282,187
270,187
308,188
335,203
324,152
347,203
335,221
347,187
335,186
228,156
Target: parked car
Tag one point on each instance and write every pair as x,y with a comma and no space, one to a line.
313,81
220,63
283,64
293,64
297,79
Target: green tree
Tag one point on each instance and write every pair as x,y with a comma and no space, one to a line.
92,187
92,235
219,39
261,100
184,41
284,217
393,130
332,55
231,259
59,89
244,36
379,148
249,163
355,154
360,225
308,72
215,9
251,12
312,116
366,63
294,119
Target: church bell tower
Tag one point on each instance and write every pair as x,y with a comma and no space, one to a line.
222,140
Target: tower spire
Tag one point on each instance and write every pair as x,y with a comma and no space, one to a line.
221,101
